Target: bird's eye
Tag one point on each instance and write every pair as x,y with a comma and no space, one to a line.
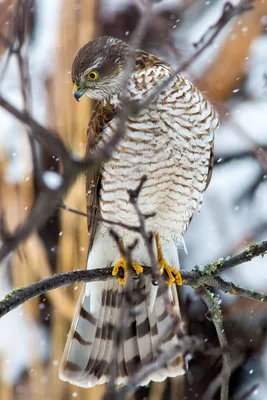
92,76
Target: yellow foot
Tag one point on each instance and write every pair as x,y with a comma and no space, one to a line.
173,274
122,263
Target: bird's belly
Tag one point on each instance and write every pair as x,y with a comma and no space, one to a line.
168,190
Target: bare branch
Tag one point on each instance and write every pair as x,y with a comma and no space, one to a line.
43,135
147,236
213,305
229,12
187,345
42,210
252,251
249,392
100,219
193,278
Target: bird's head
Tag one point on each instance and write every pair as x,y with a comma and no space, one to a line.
98,69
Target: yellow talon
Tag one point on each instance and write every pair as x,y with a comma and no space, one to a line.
122,263
173,274
138,268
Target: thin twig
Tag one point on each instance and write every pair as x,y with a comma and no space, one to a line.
148,237
186,345
252,251
229,12
132,228
39,132
248,392
213,305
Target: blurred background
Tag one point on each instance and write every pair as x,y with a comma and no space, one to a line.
233,74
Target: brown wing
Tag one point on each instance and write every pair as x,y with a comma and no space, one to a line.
211,164
101,116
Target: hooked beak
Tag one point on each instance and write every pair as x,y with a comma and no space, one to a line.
77,92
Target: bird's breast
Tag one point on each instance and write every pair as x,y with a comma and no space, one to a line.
169,142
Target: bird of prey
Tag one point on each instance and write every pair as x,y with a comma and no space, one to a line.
171,142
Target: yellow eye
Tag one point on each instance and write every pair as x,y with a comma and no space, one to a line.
92,76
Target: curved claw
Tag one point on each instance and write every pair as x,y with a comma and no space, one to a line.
122,263
138,268
173,274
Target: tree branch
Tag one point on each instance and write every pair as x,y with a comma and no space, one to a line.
194,278
251,252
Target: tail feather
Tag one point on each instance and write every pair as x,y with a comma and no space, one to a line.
90,346
131,346
126,348
106,336
114,310
100,332
143,329
91,341
163,319
151,295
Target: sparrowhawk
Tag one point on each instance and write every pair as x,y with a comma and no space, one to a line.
171,142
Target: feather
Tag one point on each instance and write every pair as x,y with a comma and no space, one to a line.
91,344
88,354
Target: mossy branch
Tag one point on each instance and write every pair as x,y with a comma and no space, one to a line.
207,277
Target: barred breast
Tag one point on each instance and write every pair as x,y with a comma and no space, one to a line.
170,142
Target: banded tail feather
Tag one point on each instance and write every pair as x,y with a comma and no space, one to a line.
91,341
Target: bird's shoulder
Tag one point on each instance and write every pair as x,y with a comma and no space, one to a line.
151,69
148,72
146,60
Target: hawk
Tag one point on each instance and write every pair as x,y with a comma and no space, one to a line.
171,142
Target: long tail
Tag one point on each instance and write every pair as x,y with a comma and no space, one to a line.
148,329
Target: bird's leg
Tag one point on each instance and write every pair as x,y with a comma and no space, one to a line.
173,274
122,263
